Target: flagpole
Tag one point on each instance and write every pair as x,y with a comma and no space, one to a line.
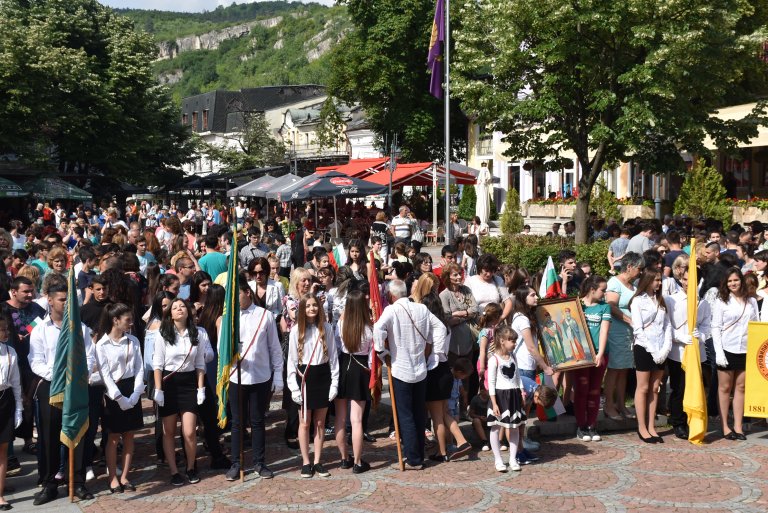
242,422
71,474
447,123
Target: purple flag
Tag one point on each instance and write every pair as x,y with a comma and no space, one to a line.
435,56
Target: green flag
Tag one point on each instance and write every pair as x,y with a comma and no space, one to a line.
229,333
69,384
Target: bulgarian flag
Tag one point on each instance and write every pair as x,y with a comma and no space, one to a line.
339,255
550,286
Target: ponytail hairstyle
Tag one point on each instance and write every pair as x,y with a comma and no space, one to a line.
502,333
357,320
302,322
168,328
111,311
521,306
490,316
590,284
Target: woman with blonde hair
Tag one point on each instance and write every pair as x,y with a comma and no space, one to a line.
426,283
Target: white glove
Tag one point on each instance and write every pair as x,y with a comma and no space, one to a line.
135,398
296,396
720,358
332,394
658,358
685,339
17,419
159,397
200,395
277,385
123,402
696,334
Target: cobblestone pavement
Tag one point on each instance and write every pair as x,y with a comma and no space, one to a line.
619,474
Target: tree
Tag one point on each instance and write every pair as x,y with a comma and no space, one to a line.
703,195
607,79
330,131
382,64
79,94
511,219
252,147
605,203
468,203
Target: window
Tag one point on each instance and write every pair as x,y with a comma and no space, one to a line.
205,120
184,119
194,121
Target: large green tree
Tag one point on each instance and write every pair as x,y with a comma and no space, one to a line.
382,63
78,92
608,79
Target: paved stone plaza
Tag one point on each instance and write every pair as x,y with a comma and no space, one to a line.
619,474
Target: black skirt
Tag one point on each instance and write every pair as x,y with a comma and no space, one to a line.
354,376
118,420
439,383
736,361
317,385
7,415
180,391
644,361
511,409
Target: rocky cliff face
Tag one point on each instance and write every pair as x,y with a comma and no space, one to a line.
210,40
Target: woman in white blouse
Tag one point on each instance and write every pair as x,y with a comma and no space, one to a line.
677,305
268,293
118,357
731,313
10,401
653,341
313,377
179,365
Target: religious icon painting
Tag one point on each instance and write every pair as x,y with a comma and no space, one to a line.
564,335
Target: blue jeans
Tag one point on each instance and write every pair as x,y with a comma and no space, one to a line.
411,415
527,373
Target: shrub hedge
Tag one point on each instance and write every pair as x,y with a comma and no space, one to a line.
531,251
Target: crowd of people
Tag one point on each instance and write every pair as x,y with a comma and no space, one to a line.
460,337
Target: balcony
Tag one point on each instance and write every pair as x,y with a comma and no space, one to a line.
484,146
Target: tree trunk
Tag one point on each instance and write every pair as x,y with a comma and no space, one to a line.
582,218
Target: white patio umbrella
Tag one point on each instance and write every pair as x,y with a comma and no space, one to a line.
483,190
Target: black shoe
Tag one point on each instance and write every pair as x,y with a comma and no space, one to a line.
128,486
192,476
659,440
320,469
368,437
440,458
307,471
14,467
739,436
730,436
263,471
292,444
117,489
363,466
82,493
220,463
177,480
462,450
5,507
681,432
45,496
649,440
233,474
348,463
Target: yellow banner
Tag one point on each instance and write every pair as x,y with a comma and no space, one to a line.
756,393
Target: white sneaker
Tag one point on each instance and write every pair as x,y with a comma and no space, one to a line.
503,448
89,475
514,465
594,435
500,467
485,448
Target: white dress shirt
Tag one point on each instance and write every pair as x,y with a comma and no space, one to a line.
118,360
677,305
399,324
173,358
273,297
441,337
9,372
365,345
730,321
651,326
42,348
263,358
311,338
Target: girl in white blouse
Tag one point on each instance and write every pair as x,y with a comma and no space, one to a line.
10,401
653,341
179,365
731,313
120,365
354,340
313,377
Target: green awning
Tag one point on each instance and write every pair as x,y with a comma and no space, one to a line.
9,189
54,188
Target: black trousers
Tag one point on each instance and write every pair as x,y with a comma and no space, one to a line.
207,414
411,413
255,404
677,416
49,437
95,415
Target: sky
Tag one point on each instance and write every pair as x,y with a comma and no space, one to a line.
181,5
